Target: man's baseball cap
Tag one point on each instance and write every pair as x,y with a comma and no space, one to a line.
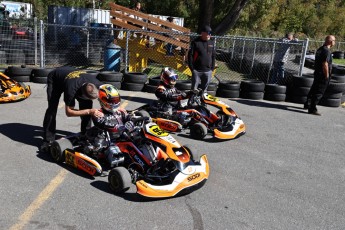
206,29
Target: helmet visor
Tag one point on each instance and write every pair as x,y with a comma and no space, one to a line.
174,77
112,100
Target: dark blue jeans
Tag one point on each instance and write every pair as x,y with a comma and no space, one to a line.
277,73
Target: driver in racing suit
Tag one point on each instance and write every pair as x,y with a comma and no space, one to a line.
115,121
169,96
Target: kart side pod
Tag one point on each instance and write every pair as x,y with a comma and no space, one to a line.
82,162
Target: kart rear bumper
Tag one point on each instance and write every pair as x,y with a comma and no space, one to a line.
190,179
239,128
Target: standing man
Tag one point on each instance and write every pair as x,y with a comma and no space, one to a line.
280,58
201,59
322,75
76,85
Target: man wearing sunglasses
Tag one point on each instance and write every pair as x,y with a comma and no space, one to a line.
77,85
201,59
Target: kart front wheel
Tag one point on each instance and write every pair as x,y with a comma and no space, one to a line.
198,131
120,180
57,149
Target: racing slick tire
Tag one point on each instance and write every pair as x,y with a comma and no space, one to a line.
198,131
57,149
119,180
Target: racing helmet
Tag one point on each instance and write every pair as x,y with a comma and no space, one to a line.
109,97
168,76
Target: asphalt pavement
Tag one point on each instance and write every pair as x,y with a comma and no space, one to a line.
286,172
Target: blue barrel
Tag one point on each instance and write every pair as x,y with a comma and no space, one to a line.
112,57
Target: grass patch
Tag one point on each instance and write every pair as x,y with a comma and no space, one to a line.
339,61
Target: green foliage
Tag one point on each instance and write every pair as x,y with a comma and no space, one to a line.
309,18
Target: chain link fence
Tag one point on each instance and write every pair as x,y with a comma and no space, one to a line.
237,58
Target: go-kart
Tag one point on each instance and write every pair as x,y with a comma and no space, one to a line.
150,158
12,91
194,114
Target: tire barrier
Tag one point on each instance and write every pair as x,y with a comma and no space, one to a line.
183,84
298,91
252,89
40,75
133,81
19,74
333,95
111,77
274,92
228,89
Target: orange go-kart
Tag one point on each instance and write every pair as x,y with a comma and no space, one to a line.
200,120
150,158
12,91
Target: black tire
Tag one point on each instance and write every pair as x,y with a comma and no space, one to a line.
57,149
252,95
252,86
119,180
135,78
275,97
303,81
150,88
332,95
43,72
21,78
338,78
212,86
110,76
229,85
132,86
183,84
336,87
275,89
154,81
18,71
228,93
116,84
41,80
302,91
198,131
329,102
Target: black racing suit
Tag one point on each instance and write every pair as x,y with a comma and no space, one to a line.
168,98
67,80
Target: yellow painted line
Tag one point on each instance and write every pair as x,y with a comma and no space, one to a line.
40,199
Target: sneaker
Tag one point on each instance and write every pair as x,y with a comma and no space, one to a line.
315,113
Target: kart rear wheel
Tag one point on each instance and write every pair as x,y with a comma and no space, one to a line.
120,180
198,131
57,149
142,113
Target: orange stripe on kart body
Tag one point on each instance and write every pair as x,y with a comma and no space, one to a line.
187,181
82,162
232,134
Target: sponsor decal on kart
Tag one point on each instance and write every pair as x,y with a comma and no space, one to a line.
193,177
158,132
70,158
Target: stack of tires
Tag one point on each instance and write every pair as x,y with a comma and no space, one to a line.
183,85
340,78
133,81
252,89
300,87
274,92
152,84
228,89
111,77
212,88
40,75
19,74
334,93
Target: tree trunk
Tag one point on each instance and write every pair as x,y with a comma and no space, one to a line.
205,14
230,19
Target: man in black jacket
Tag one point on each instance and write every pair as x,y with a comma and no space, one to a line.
76,85
201,59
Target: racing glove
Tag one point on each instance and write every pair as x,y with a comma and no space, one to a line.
129,125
